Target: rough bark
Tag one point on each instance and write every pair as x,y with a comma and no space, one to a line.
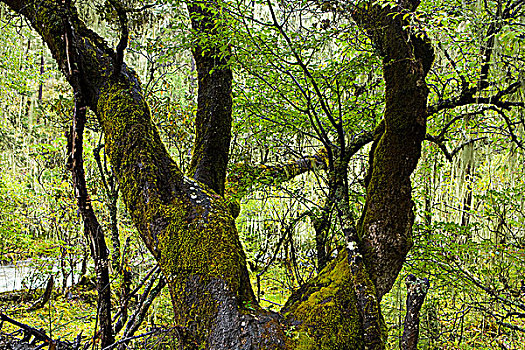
417,291
322,226
339,309
214,100
385,231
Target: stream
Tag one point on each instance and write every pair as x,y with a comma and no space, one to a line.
23,274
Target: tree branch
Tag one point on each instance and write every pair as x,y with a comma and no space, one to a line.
466,97
243,176
92,228
124,37
39,335
508,122
441,144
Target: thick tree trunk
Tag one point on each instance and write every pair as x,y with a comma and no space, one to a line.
385,229
188,226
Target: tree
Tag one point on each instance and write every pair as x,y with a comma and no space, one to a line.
188,224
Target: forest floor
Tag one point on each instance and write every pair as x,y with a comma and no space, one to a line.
63,317
72,312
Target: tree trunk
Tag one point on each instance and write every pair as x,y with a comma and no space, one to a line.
214,100
416,292
187,224
92,228
385,229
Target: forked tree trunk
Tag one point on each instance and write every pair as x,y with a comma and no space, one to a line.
188,225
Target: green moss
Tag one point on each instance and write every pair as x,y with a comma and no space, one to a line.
325,316
206,249
204,245
189,229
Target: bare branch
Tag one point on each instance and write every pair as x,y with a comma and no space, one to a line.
441,144
466,97
242,176
508,122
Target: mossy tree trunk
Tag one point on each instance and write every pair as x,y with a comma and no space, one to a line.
187,224
385,230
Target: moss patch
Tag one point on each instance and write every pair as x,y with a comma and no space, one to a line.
323,315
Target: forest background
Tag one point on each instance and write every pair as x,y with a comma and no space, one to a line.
468,187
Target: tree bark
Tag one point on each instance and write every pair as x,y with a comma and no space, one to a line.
321,224
385,229
417,291
214,100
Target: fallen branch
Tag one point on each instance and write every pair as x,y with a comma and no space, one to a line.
38,335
